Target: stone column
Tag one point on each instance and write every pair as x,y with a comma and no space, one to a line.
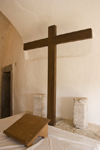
80,112
39,105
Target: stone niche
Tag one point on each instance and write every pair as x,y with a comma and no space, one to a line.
80,112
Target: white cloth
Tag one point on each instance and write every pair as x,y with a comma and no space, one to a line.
57,139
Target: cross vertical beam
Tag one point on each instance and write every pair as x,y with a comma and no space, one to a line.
51,104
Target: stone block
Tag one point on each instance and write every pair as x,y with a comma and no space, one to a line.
39,105
80,112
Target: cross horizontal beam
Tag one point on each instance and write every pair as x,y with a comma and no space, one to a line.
36,44
63,38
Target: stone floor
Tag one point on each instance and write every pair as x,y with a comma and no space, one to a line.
91,131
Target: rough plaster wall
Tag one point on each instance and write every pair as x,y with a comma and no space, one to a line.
78,64
14,56
4,26
25,73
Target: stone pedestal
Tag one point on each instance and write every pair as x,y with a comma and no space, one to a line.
80,112
39,105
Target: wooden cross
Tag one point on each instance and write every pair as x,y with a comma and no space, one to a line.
51,42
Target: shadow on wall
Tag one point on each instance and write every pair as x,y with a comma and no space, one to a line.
65,107
81,48
26,105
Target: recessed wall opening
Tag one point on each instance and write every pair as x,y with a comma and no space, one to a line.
6,90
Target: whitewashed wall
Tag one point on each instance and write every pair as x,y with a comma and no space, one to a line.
78,64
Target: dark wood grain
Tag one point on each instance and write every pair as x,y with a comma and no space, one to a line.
51,111
36,44
27,129
73,36
60,39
